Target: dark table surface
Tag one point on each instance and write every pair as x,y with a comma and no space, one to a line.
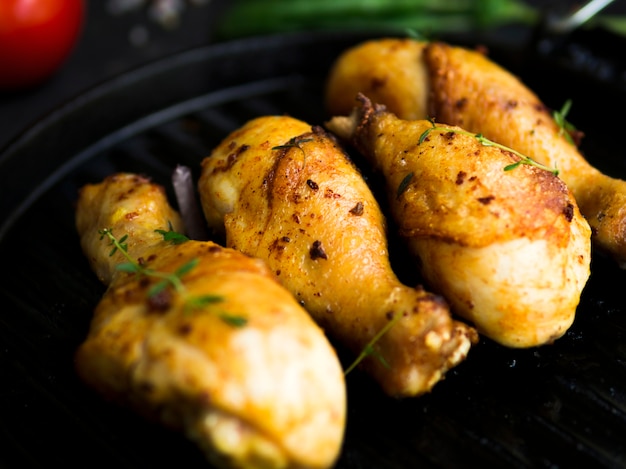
107,47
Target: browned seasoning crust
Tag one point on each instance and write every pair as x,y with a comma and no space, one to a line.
295,182
463,87
509,249
513,115
267,393
490,203
388,71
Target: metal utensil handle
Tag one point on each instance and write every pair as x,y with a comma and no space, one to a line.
582,15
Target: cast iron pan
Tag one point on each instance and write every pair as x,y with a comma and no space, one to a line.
562,405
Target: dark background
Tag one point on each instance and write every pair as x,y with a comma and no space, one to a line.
105,50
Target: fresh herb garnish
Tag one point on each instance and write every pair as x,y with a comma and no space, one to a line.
172,236
233,320
133,266
565,128
168,279
295,142
369,349
490,143
404,184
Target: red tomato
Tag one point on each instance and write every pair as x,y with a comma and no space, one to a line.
36,36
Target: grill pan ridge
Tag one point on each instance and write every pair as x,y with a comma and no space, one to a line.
556,406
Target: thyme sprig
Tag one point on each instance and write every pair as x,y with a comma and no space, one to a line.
172,279
167,279
369,349
404,184
295,142
560,117
172,236
490,143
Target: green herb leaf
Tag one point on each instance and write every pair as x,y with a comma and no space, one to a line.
201,301
118,244
427,131
511,166
490,143
232,320
168,279
565,127
158,288
404,184
293,143
187,267
173,236
372,352
129,267
369,347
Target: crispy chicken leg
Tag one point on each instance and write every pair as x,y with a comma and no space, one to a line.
461,87
231,359
285,192
508,249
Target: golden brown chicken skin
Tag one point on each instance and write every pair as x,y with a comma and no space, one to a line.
463,87
287,193
508,249
230,359
388,71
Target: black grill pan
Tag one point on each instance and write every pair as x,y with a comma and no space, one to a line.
557,406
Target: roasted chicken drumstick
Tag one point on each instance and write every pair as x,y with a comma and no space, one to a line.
229,357
508,249
462,87
287,193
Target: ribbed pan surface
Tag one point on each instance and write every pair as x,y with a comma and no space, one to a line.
558,406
